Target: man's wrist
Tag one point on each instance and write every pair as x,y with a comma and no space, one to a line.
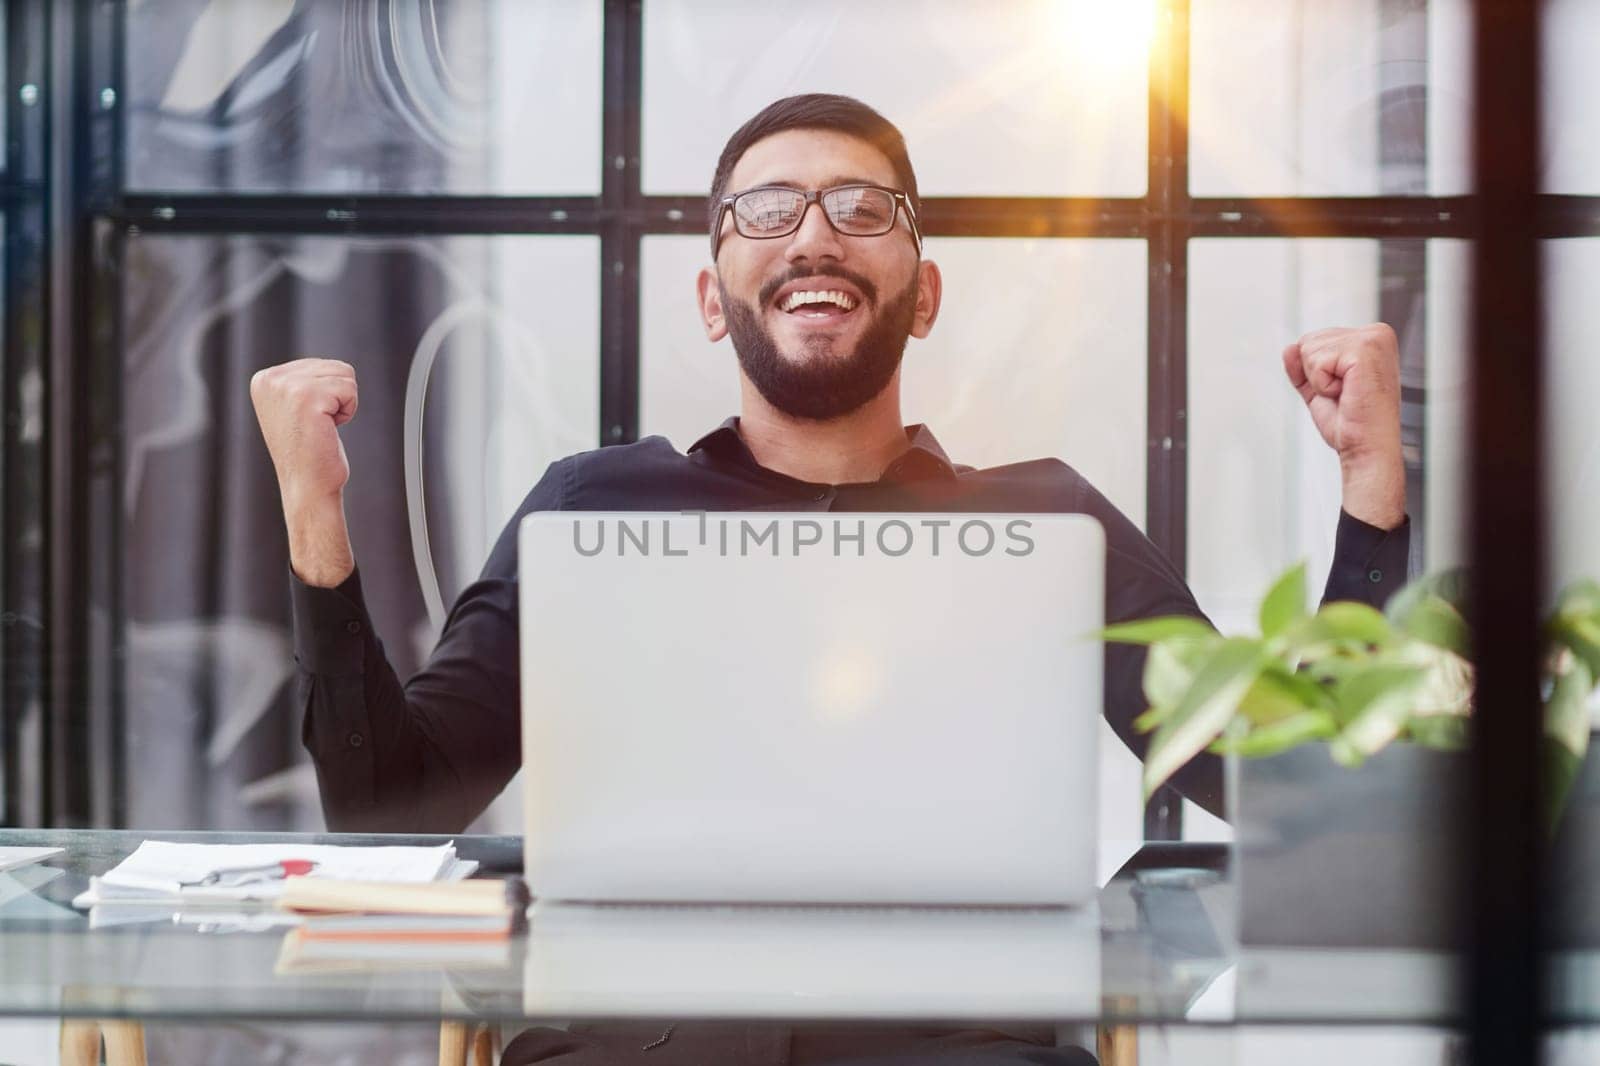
1375,489
319,540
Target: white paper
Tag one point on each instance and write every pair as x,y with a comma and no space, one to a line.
159,871
11,858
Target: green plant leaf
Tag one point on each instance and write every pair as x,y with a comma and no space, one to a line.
1152,630
1337,626
1331,667
1153,716
1285,603
1278,694
1434,621
1581,633
1447,585
1279,736
1170,666
1355,622
1374,706
1208,706
1566,715
1561,769
1581,597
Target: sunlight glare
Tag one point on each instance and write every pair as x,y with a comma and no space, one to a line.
1106,35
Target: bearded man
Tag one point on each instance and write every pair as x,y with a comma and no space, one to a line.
818,277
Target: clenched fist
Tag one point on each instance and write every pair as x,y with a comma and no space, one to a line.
1350,382
300,406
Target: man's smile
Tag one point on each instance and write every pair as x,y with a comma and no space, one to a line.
812,303
817,301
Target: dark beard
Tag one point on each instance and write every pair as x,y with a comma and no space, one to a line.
827,386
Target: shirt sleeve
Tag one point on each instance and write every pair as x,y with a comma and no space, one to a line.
1369,564
429,755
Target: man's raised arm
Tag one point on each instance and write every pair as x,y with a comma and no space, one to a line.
424,757
1349,379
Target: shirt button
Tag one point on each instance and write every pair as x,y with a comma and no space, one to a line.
356,740
820,496
1375,576
352,627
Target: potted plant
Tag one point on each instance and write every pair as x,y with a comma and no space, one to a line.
1341,727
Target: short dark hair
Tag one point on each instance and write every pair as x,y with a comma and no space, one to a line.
814,111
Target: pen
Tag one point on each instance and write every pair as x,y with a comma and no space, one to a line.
271,871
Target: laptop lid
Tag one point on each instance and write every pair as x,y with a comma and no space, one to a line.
760,707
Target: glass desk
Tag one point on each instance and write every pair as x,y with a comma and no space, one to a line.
1158,949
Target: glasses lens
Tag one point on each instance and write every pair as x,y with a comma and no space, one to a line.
765,212
859,210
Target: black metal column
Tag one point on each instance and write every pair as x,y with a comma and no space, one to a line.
1167,386
24,474
1506,841
621,204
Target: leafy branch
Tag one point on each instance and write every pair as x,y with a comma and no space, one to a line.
1352,677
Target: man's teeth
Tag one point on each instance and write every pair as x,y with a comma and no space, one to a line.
827,296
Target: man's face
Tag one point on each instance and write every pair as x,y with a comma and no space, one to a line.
818,359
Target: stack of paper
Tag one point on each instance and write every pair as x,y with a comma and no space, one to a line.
166,872
354,925
365,910
300,954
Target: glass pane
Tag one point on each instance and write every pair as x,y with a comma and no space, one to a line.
1035,97
511,328
474,97
1572,440
1264,488
1449,355
1570,153
1005,376
1303,98
1571,85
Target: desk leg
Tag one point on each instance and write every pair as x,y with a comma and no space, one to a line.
80,1042
124,1043
1119,1045
484,1052
452,1044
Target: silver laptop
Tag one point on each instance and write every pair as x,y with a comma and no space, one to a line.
811,708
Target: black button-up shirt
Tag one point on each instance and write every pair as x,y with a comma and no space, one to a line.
430,754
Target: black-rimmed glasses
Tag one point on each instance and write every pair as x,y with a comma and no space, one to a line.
769,211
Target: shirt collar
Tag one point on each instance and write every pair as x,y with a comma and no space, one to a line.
925,458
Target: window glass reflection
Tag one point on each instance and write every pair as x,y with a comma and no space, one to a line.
1263,485
481,96
511,327
1570,84
1297,98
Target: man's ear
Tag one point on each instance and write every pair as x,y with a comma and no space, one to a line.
710,294
930,288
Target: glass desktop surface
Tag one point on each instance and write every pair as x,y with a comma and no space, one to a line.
1158,948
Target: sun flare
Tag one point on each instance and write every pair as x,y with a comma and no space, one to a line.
1106,35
